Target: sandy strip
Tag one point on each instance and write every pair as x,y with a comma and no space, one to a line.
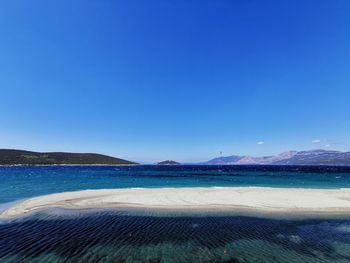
250,199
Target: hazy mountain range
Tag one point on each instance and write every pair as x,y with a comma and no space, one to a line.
313,157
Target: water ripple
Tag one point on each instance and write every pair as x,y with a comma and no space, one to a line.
113,237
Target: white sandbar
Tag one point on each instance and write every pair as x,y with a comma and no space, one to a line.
250,199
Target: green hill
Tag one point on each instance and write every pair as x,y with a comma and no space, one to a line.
20,157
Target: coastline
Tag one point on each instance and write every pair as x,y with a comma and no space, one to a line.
48,165
260,201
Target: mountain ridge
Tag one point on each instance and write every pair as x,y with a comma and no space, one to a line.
311,157
23,157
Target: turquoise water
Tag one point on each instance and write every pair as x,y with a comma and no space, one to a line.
22,182
124,236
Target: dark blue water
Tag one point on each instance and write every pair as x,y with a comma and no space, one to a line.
123,236
23,182
113,237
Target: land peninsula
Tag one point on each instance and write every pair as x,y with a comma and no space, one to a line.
21,157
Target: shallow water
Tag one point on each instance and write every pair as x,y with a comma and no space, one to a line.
131,236
107,236
22,182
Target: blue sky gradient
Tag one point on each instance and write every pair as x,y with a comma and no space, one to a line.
175,79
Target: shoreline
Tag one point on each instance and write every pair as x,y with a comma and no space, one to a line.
189,164
259,201
48,165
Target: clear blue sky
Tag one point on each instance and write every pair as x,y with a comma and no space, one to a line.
175,79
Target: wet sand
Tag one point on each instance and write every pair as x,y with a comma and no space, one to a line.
263,200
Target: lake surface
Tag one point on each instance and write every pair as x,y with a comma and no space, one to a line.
121,236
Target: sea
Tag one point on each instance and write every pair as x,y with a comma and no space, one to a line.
112,235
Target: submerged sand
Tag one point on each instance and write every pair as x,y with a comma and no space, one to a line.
265,200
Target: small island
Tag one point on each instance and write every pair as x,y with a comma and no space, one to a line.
168,162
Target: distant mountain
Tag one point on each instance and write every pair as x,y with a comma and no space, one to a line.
318,157
168,162
224,160
313,157
20,157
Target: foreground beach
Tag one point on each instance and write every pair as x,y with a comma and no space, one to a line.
288,202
